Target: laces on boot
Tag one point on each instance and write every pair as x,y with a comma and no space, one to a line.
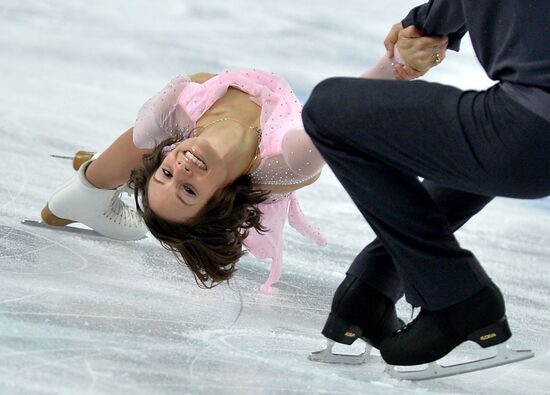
410,324
121,214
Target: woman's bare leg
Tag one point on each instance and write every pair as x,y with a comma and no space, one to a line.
112,168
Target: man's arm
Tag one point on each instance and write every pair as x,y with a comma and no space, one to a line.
439,18
425,34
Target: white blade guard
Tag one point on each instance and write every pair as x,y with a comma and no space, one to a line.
433,370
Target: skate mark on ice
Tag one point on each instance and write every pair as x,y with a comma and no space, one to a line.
9,232
19,255
39,362
514,366
208,347
288,306
62,365
302,291
93,376
26,235
44,351
222,345
68,364
303,368
57,362
92,316
245,334
241,302
21,188
23,297
272,343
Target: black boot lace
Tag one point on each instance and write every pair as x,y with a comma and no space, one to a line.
409,325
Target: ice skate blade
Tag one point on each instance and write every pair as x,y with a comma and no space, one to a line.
79,158
69,229
51,219
434,370
327,356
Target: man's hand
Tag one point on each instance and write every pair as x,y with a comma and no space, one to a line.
421,52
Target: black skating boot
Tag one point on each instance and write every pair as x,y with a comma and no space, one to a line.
360,311
432,335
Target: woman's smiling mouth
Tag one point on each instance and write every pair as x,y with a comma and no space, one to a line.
200,164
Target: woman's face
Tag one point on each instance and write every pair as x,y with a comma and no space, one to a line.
186,179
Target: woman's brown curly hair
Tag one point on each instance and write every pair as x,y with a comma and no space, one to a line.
211,243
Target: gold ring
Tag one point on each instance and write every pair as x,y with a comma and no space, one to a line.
436,58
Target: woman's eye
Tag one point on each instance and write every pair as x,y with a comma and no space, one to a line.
188,190
166,173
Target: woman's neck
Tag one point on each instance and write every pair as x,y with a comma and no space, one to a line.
232,138
235,142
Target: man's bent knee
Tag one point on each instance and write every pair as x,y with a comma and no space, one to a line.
323,103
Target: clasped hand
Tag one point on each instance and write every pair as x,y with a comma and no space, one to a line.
420,52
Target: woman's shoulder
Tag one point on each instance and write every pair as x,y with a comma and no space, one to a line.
201,77
182,79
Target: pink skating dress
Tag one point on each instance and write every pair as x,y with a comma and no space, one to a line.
288,155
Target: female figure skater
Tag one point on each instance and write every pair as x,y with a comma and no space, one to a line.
214,161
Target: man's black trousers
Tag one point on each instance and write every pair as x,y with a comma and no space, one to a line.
379,136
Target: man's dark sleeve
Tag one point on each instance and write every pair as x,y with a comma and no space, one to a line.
438,18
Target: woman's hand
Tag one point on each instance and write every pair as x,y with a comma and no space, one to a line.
391,38
405,72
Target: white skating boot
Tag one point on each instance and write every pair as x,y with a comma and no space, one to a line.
101,209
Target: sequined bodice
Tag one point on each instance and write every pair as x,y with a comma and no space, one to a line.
288,155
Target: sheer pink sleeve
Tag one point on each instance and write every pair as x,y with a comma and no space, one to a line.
300,153
161,117
298,161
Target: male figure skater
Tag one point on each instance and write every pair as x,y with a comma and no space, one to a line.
468,146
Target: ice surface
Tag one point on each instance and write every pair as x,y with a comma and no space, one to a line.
82,315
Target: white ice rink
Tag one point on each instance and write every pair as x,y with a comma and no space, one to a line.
84,315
